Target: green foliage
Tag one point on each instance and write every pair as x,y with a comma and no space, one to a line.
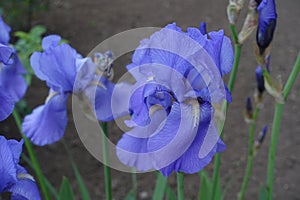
66,192
19,13
160,187
206,186
263,194
27,44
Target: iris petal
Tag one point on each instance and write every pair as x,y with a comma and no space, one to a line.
7,104
48,122
24,189
8,171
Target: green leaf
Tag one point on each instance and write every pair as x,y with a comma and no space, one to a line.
205,186
66,192
84,192
170,194
160,187
82,187
263,194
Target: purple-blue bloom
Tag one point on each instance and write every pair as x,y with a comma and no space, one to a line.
178,78
266,23
4,32
12,82
14,178
65,73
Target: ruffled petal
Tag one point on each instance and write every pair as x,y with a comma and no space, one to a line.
57,65
48,122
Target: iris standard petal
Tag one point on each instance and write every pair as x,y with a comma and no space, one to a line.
50,41
56,65
59,66
220,49
47,123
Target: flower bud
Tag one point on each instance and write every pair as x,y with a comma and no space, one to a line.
233,10
258,142
260,83
248,113
266,24
274,86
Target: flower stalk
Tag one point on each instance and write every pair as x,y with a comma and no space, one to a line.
107,175
276,127
32,156
250,155
180,188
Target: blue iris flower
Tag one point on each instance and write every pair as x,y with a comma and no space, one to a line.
178,79
65,73
14,178
12,82
266,23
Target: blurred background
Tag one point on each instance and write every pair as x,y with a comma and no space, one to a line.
87,23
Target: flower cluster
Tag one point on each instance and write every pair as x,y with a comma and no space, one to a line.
178,79
14,178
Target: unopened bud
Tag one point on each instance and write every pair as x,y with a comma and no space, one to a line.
266,24
274,87
250,23
233,10
248,113
258,142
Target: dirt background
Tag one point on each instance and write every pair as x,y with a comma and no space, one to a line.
87,23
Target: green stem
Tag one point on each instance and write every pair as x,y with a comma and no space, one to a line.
107,175
134,182
250,155
234,34
180,188
276,126
217,162
32,156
